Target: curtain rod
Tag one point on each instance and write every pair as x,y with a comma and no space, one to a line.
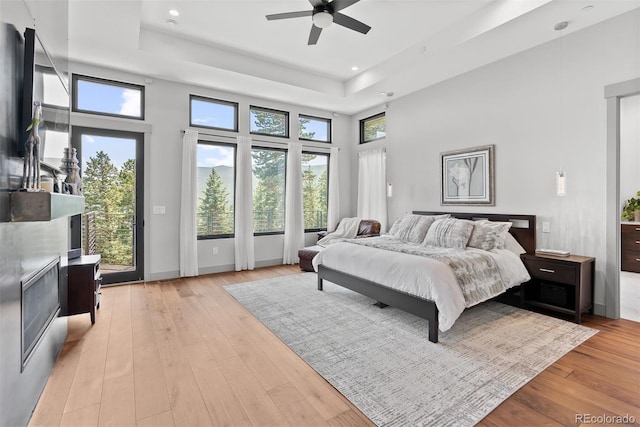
215,135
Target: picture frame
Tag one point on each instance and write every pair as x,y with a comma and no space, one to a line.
468,176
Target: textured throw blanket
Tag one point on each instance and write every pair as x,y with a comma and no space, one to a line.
476,272
347,229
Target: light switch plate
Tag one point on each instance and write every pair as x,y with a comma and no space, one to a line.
159,210
546,227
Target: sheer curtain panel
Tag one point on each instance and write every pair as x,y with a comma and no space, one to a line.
244,250
333,210
294,215
372,187
188,206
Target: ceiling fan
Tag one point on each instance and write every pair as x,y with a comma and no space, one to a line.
323,14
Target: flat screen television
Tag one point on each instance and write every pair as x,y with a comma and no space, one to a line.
46,85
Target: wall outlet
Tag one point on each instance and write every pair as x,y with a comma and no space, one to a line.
214,250
546,227
159,210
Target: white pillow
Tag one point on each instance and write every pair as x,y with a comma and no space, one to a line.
510,243
449,233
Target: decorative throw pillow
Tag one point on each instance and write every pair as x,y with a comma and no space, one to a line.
488,235
449,233
413,228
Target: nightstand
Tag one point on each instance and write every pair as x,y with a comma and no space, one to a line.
84,284
559,284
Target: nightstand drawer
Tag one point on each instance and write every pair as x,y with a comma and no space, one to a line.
631,261
553,271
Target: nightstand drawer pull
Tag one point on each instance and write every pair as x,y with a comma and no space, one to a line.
637,242
547,270
638,259
637,228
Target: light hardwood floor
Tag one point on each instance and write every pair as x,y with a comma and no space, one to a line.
185,353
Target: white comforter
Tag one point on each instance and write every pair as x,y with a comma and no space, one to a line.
416,275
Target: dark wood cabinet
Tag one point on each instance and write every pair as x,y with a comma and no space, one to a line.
559,284
630,250
84,281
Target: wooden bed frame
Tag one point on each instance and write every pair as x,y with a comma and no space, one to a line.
523,229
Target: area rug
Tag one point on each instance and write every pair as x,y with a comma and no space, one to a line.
382,361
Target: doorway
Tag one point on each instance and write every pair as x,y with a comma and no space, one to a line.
615,95
630,189
111,166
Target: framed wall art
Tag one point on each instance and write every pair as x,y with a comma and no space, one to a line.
468,176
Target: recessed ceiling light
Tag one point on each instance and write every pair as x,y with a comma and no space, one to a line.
171,23
561,26
383,93
354,68
587,8
174,12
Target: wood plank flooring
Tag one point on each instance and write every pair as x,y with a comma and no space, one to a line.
185,353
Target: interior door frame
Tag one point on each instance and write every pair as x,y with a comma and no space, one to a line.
612,94
76,142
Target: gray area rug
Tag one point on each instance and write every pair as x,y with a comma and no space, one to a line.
382,361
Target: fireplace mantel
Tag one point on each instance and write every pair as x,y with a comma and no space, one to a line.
43,206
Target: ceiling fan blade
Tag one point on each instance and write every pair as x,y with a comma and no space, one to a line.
352,24
288,15
338,5
316,3
314,35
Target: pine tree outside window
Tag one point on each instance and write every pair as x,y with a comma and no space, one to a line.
216,185
265,121
315,185
373,128
269,170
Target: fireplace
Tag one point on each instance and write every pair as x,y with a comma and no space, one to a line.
40,305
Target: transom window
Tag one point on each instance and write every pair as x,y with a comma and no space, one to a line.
314,128
265,121
215,186
213,113
372,128
107,97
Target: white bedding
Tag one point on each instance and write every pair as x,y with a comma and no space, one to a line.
416,275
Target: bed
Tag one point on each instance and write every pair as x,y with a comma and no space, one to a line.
403,295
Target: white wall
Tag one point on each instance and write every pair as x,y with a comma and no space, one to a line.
167,113
544,109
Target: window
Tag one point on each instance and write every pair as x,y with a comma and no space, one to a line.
314,128
315,187
269,122
216,184
372,128
269,166
106,97
213,113
49,85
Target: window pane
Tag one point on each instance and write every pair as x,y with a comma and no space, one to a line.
53,90
216,183
213,113
116,99
374,127
268,190
315,180
269,122
315,128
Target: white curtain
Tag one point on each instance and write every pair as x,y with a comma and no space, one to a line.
372,191
333,211
188,205
245,257
294,215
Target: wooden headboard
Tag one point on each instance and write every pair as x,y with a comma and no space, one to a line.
523,228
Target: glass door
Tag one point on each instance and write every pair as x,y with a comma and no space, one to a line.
111,166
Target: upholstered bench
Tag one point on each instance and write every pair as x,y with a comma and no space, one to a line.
366,228
306,256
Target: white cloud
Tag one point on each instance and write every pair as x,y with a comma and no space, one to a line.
218,156
130,103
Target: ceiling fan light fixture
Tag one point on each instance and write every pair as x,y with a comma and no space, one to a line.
322,19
